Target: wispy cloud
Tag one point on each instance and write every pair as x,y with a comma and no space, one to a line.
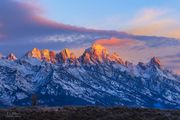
172,61
174,33
171,56
155,22
147,21
147,16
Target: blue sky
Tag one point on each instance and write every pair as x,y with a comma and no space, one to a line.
90,13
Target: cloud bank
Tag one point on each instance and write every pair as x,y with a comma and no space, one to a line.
23,27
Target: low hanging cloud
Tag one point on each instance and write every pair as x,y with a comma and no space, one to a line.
112,42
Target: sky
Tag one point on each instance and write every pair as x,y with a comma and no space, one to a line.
55,24
124,15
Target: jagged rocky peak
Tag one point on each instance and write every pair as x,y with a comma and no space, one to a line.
142,65
129,64
155,61
44,54
52,55
48,55
115,58
96,53
98,50
11,57
66,55
35,53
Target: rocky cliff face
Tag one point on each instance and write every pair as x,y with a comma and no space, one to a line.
11,57
95,78
46,55
99,54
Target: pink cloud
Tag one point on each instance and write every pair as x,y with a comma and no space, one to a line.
155,22
174,33
155,28
116,42
178,72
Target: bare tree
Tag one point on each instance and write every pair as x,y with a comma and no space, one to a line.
34,100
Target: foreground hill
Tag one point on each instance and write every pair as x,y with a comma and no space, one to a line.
95,78
88,113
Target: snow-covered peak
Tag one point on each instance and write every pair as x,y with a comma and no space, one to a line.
34,53
99,54
52,55
66,55
115,58
98,50
155,61
45,54
11,57
95,54
142,65
48,55
154,68
112,83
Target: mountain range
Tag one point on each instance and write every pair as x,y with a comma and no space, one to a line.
97,77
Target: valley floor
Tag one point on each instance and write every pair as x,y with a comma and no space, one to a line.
87,113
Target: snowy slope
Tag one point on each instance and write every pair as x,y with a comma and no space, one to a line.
95,78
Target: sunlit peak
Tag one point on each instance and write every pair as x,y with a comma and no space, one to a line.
96,46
